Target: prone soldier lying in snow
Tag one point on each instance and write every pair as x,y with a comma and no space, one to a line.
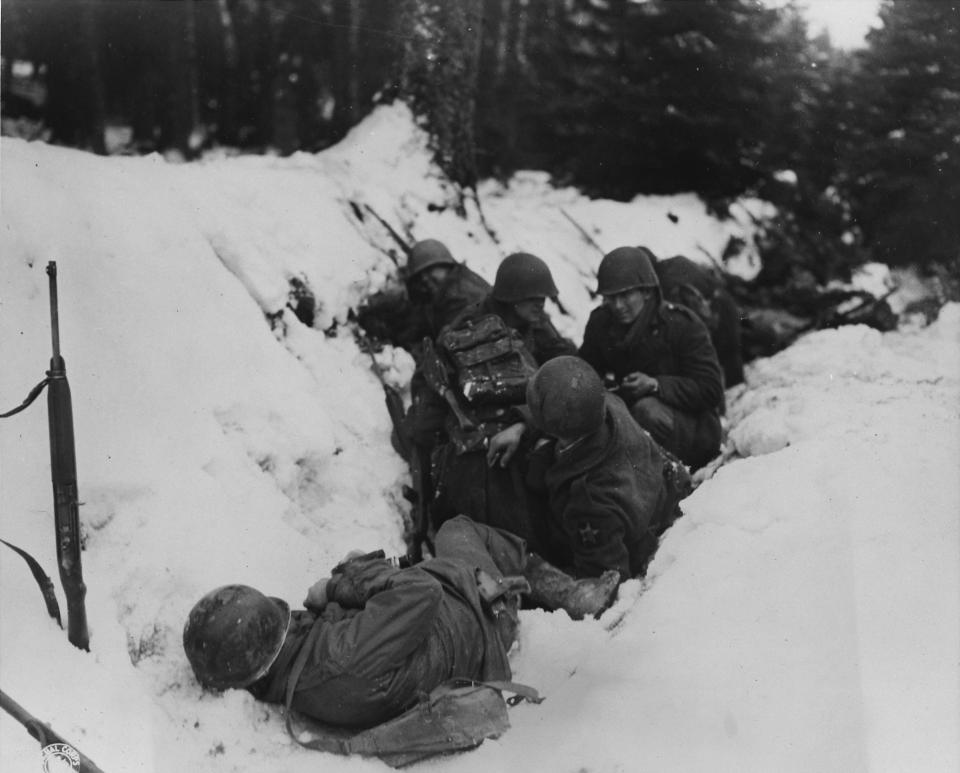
373,637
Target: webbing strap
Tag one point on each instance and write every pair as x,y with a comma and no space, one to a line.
46,585
520,691
335,745
34,394
320,743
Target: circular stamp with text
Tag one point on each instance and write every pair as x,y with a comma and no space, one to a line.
60,758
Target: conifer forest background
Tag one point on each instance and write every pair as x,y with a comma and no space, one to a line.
859,150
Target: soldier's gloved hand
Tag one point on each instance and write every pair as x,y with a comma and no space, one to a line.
316,598
504,444
637,385
354,555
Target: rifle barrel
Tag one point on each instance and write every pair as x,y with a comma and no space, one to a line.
63,473
54,314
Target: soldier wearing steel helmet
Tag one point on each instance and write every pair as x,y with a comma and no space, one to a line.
464,481
374,637
657,356
611,489
701,289
520,290
437,288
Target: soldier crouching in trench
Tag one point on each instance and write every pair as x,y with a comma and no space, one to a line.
611,489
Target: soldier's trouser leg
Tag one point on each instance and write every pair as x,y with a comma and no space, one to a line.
499,553
692,439
660,420
500,558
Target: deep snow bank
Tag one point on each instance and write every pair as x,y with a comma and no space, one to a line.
801,616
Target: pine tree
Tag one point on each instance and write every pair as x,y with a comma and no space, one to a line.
441,48
902,164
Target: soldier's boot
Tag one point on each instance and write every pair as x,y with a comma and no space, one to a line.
552,589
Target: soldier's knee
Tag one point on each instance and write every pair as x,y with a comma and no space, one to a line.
654,416
455,528
645,410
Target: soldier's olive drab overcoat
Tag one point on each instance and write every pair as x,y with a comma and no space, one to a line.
725,327
674,346
611,495
402,632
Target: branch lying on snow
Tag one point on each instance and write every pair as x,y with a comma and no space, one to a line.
360,220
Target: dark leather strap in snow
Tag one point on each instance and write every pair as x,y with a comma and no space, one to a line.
43,580
34,394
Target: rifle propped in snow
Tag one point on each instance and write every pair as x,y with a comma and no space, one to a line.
63,471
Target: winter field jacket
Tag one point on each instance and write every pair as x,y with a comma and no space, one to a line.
386,636
609,497
674,347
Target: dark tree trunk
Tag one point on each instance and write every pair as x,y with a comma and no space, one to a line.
228,125
346,65
75,96
182,109
266,69
441,49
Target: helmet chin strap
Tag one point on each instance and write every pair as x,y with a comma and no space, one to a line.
273,658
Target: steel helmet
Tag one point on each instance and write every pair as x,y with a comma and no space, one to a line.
626,268
566,398
521,276
233,635
427,254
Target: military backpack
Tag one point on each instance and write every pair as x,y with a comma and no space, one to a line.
490,361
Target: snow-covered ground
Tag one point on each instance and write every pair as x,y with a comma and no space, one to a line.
802,616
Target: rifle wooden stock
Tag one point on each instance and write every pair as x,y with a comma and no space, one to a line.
63,472
43,732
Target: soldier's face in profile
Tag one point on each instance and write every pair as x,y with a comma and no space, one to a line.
626,306
530,310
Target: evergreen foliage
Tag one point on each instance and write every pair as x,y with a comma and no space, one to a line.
901,168
619,97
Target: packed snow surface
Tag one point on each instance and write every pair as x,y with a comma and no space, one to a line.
802,615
